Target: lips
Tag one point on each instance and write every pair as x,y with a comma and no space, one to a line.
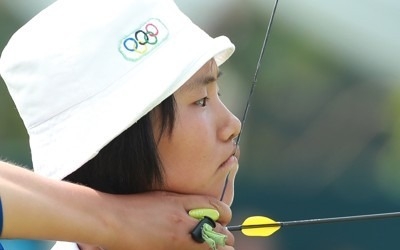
236,152
232,159
227,162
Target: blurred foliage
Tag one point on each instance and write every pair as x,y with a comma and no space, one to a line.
13,138
321,139
388,172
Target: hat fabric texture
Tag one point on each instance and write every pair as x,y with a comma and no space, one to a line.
83,71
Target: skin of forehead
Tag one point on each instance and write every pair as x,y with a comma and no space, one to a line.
207,74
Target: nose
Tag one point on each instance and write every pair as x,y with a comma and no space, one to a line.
231,125
237,126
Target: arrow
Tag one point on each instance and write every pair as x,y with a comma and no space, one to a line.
262,226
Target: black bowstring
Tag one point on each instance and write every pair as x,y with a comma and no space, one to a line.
253,84
255,78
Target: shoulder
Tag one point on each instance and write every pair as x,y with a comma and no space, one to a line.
62,245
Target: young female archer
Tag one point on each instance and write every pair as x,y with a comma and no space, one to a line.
123,97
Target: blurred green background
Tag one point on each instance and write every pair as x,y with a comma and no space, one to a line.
322,138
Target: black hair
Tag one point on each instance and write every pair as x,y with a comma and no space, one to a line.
130,162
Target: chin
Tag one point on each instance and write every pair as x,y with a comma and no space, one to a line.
230,188
228,201
229,195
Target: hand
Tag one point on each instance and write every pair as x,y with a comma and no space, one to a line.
160,220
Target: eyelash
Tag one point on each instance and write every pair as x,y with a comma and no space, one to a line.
203,101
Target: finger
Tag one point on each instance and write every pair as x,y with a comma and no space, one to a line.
224,237
230,240
225,212
226,248
198,201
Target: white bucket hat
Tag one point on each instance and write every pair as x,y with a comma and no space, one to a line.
83,71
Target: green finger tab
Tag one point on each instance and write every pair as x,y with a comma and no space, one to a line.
200,213
212,238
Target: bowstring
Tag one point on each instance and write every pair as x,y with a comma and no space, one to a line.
253,84
255,78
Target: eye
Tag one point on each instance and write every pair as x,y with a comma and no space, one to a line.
202,102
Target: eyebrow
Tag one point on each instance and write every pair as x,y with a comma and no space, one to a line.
210,79
203,80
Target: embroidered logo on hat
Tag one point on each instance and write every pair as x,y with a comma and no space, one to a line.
144,40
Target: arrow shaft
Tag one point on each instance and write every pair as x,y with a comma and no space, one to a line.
341,219
318,221
241,227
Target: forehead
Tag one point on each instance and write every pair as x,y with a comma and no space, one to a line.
206,74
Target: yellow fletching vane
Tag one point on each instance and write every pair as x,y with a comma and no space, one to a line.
259,226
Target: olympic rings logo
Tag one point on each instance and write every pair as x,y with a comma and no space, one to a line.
143,40
149,36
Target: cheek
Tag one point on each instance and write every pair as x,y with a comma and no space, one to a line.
188,159
187,164
191,143
190,156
